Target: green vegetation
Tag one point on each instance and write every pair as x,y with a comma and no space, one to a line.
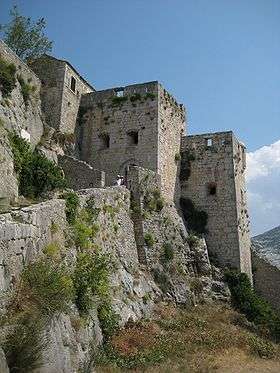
45,288
187,158
150,96
149,239
196,220
135,97
91,278
118,100
192,240
177,157
108,319
72,205
200,339
255,308
161,278
24,37
52,250
26,89
153,201
36,174
7,77
64,138
168,253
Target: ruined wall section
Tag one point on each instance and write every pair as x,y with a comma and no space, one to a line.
15,114
119,131
79,174
171,128
266,279
210,178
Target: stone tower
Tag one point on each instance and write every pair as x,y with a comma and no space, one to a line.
213,178
61,91
140,125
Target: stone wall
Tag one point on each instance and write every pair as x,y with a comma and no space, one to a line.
212,176
266,278
172,127
60,101
137,125
79,174
14,113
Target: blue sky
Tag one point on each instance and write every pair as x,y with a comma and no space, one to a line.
220,58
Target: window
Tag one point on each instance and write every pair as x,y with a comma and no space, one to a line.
73,84
211,189
104,141
120,93
132,138
209,142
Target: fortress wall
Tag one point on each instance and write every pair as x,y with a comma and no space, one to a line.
51,72
243,221
212,184
109,129
79,174
71,99
266,280
171,128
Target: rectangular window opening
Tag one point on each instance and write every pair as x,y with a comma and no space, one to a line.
209,142
132,138
120,93
211,189
104,141
73,84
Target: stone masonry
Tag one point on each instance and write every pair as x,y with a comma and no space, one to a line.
62,88
212,176
137,125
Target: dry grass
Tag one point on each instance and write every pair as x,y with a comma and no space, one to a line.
202,339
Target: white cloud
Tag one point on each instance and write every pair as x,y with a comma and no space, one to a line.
263,182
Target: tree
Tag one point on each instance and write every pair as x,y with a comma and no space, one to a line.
25,37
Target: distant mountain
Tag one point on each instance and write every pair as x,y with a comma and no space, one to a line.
268,245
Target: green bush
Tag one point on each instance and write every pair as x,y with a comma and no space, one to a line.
168,253
135,97
149,239
71,206
49,286
253,306
26,89
154,201
36,174
196,220
108,319
192,240
118,100
91,278
24,344
7,77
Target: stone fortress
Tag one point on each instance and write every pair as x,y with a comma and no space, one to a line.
143,125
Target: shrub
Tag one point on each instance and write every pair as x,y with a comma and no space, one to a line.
253,306
192,240
72,205
49,286
7,77
154,201
196,220
52,249
108,319
24,344
168,253
149,239
82,235
150,96
177,157
118,100
36,174
135,97
91,278
26,89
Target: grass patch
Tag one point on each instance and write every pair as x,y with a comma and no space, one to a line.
167,254
71,206
181,340
149,239
153,201
26,89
